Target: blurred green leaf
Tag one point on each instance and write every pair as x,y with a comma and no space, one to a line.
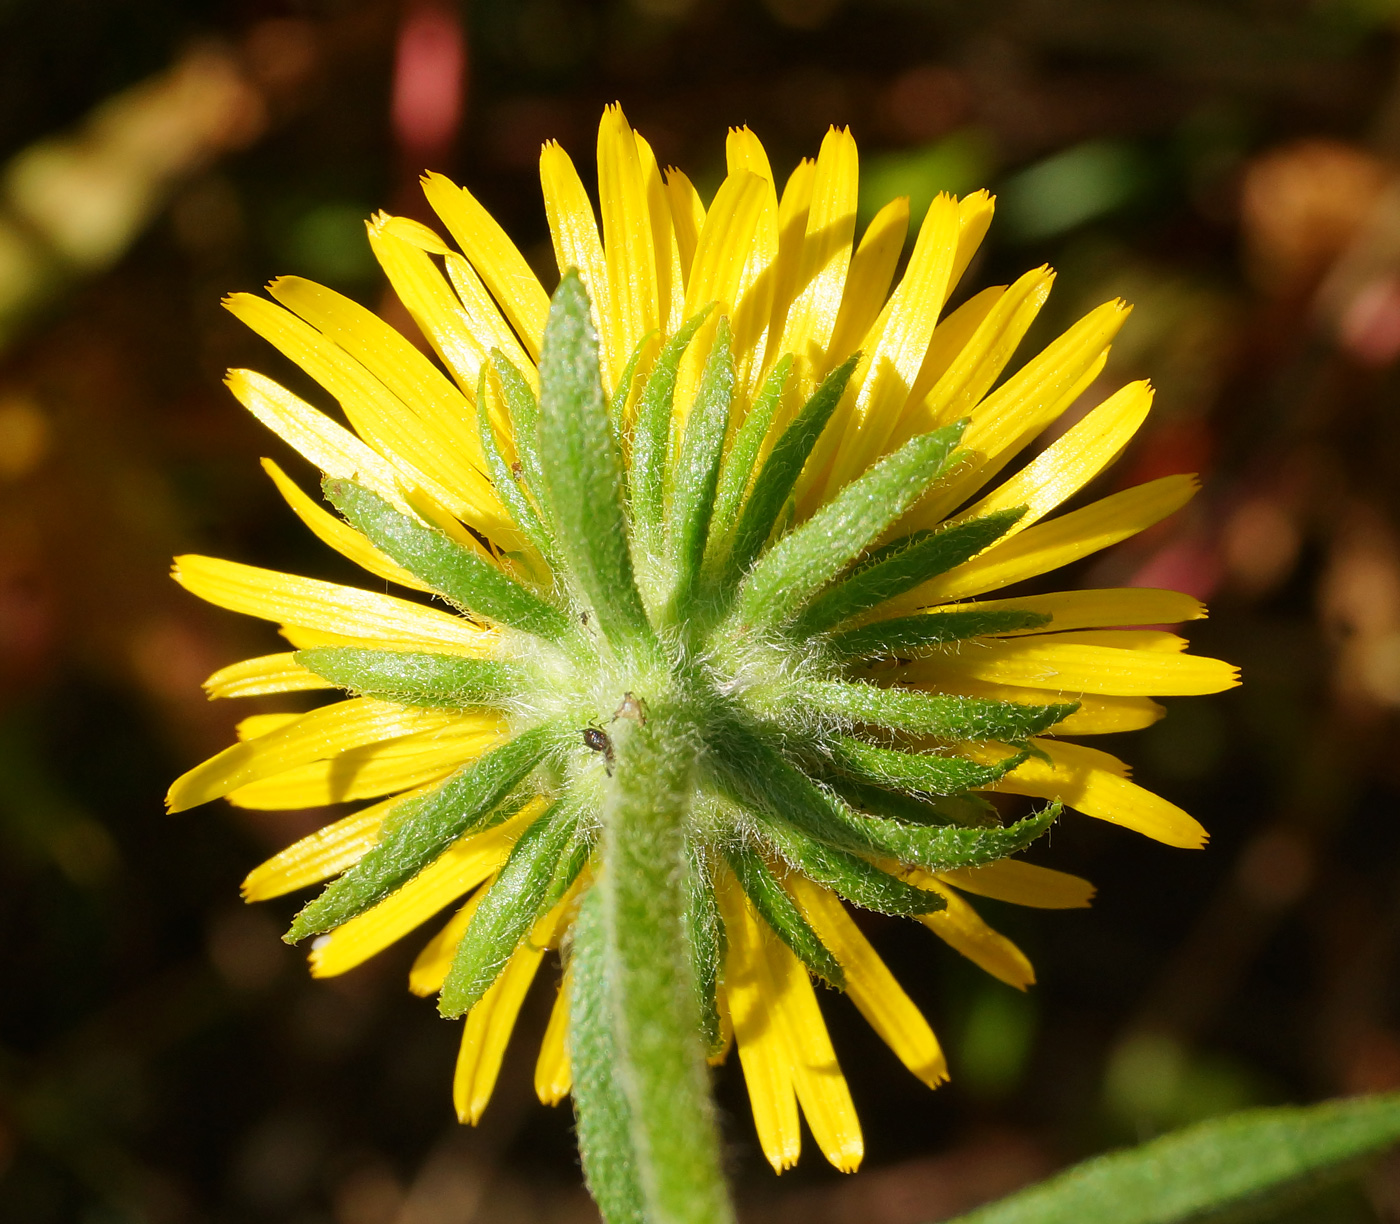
328,243
1077,185
1232,1164
996,1039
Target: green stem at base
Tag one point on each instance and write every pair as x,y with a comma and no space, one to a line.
655,1013
600,1109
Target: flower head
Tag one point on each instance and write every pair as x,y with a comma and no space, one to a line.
696,560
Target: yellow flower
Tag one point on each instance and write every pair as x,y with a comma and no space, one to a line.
795,298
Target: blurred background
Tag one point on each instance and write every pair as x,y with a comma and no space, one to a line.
1232,167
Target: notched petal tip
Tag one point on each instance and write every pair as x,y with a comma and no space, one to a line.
233,302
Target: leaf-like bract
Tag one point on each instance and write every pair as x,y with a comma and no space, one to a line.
780,912
810,556
922,772
583,471
652,433
422,829
902,570
941,715
789,455
737,473
508,911
445,682
446,566
694,476
910,635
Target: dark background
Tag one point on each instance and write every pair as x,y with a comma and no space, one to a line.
1229,167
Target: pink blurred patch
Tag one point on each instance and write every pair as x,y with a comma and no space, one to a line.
1190,564
1369,327
429,79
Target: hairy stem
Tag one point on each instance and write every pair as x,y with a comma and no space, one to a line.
661,1058
604,1124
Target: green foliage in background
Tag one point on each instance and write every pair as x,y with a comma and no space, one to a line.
1239,1168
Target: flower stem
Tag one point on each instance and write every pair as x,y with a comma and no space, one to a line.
604,1123
656,1021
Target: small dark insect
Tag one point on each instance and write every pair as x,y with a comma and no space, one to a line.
583,618
632,707
886,662
598,739
517,469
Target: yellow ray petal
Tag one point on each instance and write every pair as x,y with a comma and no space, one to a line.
487,323
1046,662
1022,883
894,351
462,324
1095,609
339,534
735,249
274,673
446,480
374,770
763,1047
821,1087
1006,421
753,297
322,733
1110,715
554,1078
487,1032
1069,463
974,220
330,607
1160,640
1056,542
574,230
868,281
958,371
961,338
460,868
687,218
628,245
430,966
427,297
826,251
424,455
415,233
303,638
670,278
490,1023
962,928
1093,782
870,985
994,750
725,244
388,356
794,205
495,257
330,447
320,855
744,151
260,724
